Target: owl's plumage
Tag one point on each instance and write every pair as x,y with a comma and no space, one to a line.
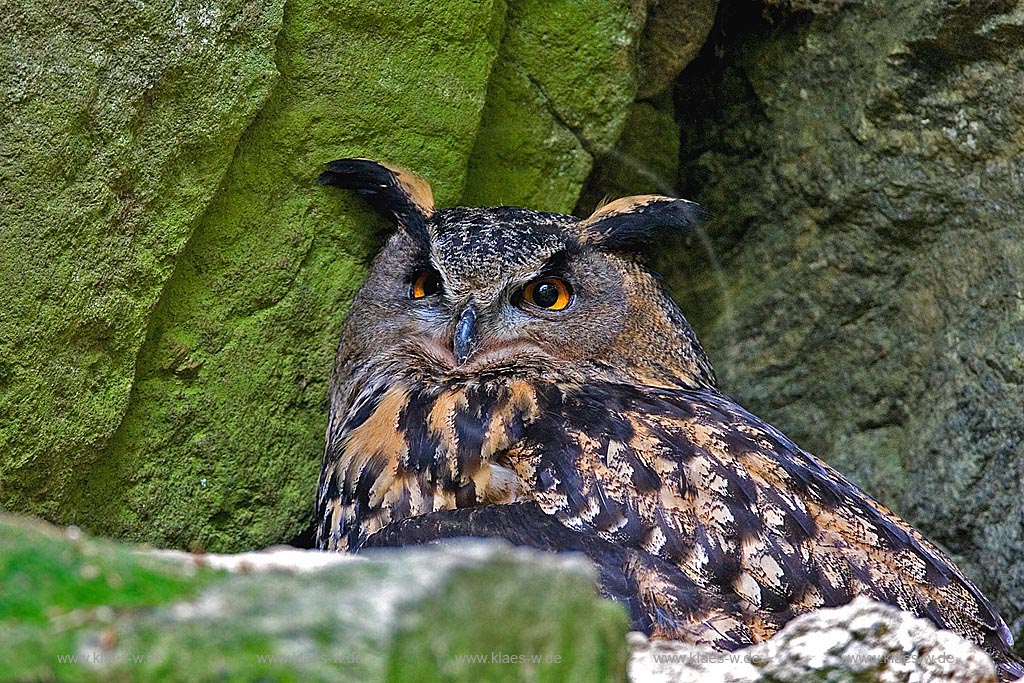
463,404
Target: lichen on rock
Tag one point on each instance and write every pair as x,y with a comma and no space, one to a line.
862,641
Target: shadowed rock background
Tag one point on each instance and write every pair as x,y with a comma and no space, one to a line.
174,284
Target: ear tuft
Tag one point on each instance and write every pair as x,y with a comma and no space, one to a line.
396,193
628,223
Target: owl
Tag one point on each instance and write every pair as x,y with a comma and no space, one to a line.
511,373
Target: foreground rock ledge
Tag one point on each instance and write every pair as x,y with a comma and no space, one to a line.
73,608
862,641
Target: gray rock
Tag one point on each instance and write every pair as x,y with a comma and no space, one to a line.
863,165
74,608
674,33
862,641
645,159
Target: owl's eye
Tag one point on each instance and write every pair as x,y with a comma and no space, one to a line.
426,283
549,292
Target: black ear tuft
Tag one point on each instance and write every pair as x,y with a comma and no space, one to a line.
398,194
630,223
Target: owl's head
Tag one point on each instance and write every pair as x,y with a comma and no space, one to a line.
484,292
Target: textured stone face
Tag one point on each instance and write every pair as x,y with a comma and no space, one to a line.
117,127
674,33
417,614
560,93
862,641
863,165
221,440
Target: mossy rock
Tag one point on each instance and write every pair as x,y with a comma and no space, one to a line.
560,94
174,281
76,609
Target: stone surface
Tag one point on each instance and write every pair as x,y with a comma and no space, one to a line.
177,280
862,641
221,444
408,615
116,127
560,94
674,33
863,164
645,160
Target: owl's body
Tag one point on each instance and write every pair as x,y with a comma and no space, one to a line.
502,363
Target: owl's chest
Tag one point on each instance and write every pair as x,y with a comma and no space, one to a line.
401,451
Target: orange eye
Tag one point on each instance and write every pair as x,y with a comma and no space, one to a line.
427,283
550,293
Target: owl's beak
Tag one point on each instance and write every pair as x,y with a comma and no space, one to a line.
465,340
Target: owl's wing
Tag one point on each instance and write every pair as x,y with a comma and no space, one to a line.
653,590
691,477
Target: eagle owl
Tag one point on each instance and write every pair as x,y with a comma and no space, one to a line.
506,372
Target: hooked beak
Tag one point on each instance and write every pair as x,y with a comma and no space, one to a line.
465,341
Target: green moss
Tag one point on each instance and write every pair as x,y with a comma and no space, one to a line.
554,632
47,574
116,134
221,442
561,91
53,587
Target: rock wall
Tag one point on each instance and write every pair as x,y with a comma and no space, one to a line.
860,282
